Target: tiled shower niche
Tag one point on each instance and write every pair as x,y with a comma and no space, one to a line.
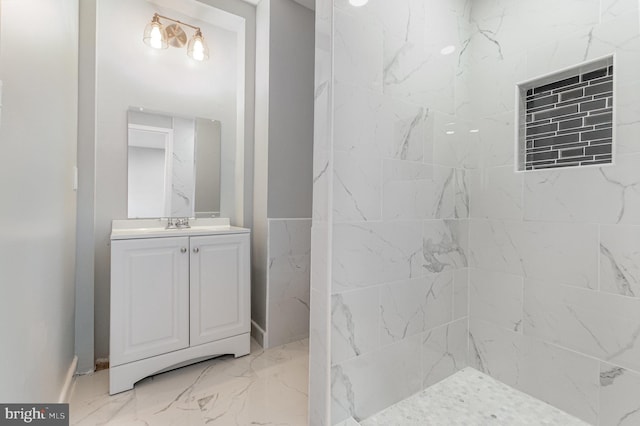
566,119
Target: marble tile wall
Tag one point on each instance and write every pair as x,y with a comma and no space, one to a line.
399,203
429,252
288,281
554,256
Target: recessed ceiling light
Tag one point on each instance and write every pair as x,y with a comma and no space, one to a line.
474,130
450,132
448,50
358,3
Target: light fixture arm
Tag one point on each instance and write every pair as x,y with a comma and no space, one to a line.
157,15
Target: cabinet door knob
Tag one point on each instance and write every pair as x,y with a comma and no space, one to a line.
196,250
183,250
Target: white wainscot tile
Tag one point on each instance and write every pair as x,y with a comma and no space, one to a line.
320,279
444,351
628,117
496,193
505,27
496,134
354,323
559,377
289,237
357,186
561,252
496,297
365,254
413,306
598,324
365,385
593,194
357,50
445,245
460,293
619,390
453,143
288,299
368,121
319,359
620,260
418,74
417,191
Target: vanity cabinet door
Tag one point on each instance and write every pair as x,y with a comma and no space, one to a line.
220,287
149,297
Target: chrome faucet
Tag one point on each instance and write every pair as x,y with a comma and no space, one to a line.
182,222
177,223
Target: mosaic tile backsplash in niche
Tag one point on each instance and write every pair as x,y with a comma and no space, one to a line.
569,122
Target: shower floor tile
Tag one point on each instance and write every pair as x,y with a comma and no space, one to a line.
471,398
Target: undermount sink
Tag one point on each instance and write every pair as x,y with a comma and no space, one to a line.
146,228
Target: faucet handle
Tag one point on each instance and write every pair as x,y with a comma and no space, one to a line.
182,222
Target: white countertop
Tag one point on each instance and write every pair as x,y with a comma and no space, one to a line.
153,228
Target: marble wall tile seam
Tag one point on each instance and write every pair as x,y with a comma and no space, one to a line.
576,352
539,340
401,220
554,282
390,283
375,92
616,365
355,315
381,347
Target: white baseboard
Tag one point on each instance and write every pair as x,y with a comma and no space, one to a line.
65,394
258,333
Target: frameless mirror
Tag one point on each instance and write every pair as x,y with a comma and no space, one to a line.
173,165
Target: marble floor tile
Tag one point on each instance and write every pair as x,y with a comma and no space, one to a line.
265,387
471,398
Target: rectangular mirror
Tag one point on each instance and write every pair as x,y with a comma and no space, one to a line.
173,165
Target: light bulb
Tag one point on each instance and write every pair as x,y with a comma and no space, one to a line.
358,3
198,50
156,37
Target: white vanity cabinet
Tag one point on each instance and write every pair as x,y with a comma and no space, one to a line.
176,300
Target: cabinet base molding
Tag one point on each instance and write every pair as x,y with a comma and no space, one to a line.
123,377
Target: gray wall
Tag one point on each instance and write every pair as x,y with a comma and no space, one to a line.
38,135
290,110
85,245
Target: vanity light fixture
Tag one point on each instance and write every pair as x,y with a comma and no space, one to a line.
158,36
